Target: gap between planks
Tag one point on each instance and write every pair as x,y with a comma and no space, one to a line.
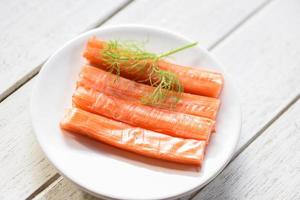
34,72
44,186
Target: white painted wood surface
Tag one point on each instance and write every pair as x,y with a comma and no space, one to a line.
23,166
254,56
263,59
19,102
206,21
268,169
266,87
63,189
265,67
32,30
36,28
26,118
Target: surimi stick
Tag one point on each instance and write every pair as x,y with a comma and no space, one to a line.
194,80
159,120
111,84
137,140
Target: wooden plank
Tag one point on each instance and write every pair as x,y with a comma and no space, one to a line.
216,19
60,189
262,57
32,30
25,32
205,21
134,14
268,169
266,72
42,24
23,166
275,177
64,189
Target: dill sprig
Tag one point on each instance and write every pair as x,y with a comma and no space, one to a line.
132,56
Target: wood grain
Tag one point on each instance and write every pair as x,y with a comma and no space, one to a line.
60,189
248,55
204,21
268,169
134,14
261,56
266,72
23,166
32,30
36,28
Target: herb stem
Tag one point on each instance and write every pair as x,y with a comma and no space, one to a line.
177,50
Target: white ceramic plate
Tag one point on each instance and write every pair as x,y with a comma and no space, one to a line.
109,172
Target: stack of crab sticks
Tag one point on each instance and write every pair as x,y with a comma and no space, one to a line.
137,101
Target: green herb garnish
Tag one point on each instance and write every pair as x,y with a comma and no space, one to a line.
132,56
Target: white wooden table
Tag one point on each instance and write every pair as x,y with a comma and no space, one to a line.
257,40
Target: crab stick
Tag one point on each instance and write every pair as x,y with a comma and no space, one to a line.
198,81
111,84
159,120
137,140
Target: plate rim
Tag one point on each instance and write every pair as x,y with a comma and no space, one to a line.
158,29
